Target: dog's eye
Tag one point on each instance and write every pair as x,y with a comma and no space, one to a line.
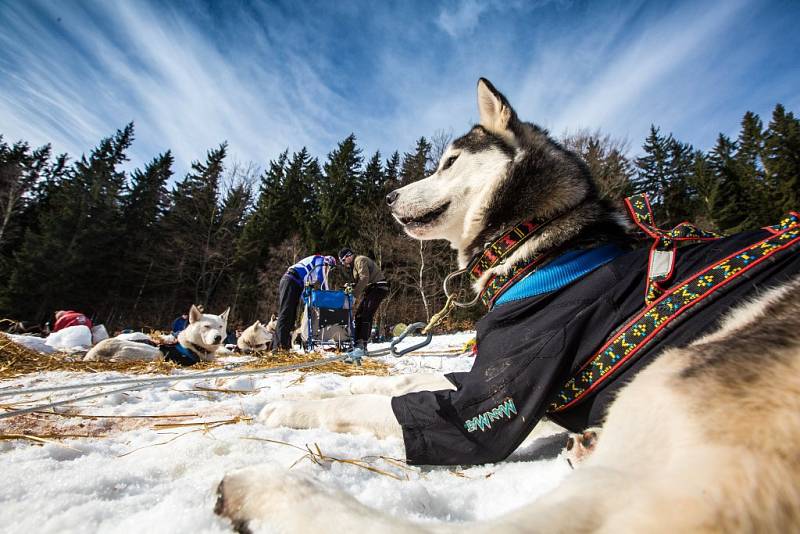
449,162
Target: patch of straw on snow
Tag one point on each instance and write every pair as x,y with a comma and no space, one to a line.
17,360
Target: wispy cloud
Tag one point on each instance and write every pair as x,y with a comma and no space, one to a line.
270,76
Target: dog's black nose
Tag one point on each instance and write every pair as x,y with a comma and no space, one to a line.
391,197
217,339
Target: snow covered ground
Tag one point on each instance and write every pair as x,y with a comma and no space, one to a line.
132,475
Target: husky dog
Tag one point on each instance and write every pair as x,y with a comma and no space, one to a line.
201,338
701,437
257,336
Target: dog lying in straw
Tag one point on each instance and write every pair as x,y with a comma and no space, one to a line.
688,357
257,336
199,341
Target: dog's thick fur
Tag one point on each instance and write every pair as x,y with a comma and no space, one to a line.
257,336
203,336
703,439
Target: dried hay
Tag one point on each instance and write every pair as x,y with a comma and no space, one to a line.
17,360
73,424
267,360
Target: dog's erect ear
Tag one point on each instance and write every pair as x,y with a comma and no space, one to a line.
224,315
273,317
496,113
194,314
257,323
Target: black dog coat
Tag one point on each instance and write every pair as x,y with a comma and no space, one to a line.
529,348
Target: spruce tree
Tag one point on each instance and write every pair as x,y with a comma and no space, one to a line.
268,224
144,206
72,256
653,169
677,194
20,170
339,196
705,184
782,160
730,212
748,158
391,171
371,190
417,165
190,226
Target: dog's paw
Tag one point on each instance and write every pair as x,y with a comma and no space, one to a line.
261,493
580,446
292,414
283,501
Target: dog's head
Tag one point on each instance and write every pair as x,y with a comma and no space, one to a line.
255,337
272,324
205,330
501,172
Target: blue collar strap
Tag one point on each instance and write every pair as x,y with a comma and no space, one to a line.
558,273
188,354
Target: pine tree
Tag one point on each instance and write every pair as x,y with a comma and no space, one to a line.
339,196
416,165
371,184
82,228
678,196
189,228
732,195
20,170
391,171
704,182
782,160
748,158
653,169
144,206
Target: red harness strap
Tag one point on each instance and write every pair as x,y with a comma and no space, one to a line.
665,242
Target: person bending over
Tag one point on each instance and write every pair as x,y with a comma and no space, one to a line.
369,289
310,270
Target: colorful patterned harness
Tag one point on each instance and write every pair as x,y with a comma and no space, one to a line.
663,306
496,253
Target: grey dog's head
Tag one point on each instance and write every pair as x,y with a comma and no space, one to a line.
499,173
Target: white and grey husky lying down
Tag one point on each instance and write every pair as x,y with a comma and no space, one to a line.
202,338
704,437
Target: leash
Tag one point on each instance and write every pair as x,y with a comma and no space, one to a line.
138,383
494,253
133,384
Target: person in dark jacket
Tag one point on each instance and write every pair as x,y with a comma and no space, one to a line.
369,289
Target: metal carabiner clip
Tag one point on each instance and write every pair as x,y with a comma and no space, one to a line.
449,295
409,330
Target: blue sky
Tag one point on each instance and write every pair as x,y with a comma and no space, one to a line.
266,76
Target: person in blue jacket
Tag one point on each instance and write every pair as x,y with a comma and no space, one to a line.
308,271
180,324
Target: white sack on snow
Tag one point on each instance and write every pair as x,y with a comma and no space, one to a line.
32,342
135,336
77,337
99,333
